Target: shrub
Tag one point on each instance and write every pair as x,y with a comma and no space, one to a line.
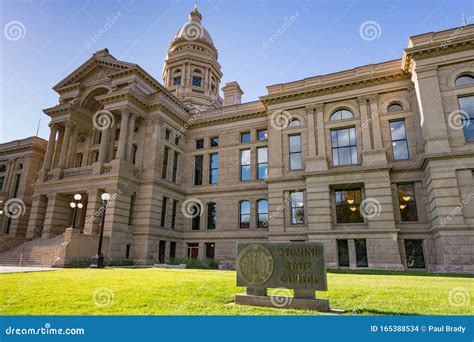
86,262
195,263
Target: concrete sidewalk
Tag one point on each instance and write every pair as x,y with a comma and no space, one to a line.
19,269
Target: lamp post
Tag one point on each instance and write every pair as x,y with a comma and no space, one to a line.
99,259
75,204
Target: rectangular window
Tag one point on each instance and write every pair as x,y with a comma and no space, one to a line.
163,211
127,251
344,147
213,168
210,247
2,180
399,140
347,206
211,216
244,215
172,250
245,137
414,253
130,210
164,172
161,251
466,105
196,216
176,139
199,144
177,81
295,152
297,207
262,135
198,170
245,169
175,166
262,162
361,252
197,81
167,134
214,141
407,202
193,250
174,213
343,253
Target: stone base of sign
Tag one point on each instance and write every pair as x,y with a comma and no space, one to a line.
281,302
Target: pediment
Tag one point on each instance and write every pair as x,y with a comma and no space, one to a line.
95,68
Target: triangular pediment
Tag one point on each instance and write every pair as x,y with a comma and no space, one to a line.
95,68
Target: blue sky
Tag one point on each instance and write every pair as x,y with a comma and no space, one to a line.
255,46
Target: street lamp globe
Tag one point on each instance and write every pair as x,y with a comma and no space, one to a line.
72,204
79,205
77,197
105,196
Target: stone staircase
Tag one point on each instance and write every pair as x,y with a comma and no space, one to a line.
39,252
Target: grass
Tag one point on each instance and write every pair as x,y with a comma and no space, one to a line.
150,291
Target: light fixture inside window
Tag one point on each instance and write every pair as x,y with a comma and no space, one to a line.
350,201
403,206
353,208
406,198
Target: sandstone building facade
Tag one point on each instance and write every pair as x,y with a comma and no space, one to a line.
375,162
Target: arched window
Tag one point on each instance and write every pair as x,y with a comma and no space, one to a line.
211,215
197,71
20,166
341,114
394,107
294,123
262,213
244,214
464,80
177,71
3,168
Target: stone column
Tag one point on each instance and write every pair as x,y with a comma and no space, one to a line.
131,131
311,132
113,132
104,145
321,131
48,159
123,135
57,149
71,155
37,215
93,212
375,116
65,145
364,124
275,149
9,175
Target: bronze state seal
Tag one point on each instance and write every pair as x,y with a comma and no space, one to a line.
255,264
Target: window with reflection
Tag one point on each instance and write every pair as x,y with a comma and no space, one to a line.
294,123
399,140
394,107
344,147
245,137
213,168
464,80
414,253
262,135
296,157
262,213
297,207
211,215
262,162
407,202
244,214
164,171
198,170
177,80
214,141
348,206
466,106
199,144
245,169
341,114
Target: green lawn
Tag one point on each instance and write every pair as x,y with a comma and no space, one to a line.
150,291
